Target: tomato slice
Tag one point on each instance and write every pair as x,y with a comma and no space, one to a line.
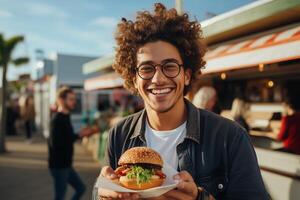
119,170
160,174
124,172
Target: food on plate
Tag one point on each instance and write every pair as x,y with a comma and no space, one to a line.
140,168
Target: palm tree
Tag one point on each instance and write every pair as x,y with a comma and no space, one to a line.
7,47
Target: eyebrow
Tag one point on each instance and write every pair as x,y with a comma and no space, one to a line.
162,62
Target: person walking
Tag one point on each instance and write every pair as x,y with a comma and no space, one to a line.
28,115
60,147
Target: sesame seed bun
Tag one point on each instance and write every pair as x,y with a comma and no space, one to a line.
140,155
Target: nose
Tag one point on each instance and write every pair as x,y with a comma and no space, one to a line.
158,77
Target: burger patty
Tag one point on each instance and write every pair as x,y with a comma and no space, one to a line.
124,169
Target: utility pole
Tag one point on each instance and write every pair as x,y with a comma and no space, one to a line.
178,6
40,69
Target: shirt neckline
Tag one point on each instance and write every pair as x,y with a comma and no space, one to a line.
166,132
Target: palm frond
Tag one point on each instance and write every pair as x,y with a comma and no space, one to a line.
1,41
1,48
20,61
12,42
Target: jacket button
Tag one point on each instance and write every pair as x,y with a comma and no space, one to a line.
220,186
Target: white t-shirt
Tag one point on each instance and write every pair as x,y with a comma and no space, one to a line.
165,142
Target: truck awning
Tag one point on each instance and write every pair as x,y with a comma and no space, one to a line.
269,47
106,81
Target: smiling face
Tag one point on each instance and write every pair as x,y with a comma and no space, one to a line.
161,93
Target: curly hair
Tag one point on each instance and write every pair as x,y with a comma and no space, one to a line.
165,25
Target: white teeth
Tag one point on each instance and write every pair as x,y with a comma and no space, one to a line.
161,91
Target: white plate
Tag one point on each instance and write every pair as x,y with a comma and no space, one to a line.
168,185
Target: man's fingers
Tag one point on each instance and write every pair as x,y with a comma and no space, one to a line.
108,172
109,194
184,176
186,183
187,187
104,193
159,198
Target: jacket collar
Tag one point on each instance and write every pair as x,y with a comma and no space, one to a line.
192,126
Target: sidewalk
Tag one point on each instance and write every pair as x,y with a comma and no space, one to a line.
24,173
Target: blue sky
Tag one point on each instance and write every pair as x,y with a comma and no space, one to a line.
82,27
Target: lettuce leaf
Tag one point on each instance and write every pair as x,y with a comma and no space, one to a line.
140,174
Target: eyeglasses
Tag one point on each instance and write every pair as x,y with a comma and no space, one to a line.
169,69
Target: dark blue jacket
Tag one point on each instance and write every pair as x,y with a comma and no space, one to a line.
217,152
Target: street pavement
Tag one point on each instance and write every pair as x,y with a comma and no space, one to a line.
24,174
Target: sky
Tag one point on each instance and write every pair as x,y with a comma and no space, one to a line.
82,27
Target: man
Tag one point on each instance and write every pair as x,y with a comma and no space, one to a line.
60,146
159,56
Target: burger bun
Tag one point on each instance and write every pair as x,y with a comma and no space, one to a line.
132,183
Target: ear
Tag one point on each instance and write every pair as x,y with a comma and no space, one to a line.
187,76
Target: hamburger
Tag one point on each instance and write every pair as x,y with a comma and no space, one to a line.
140,168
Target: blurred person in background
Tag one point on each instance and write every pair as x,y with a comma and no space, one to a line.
27,112
238,110
13,113
60,147
207,98
289,132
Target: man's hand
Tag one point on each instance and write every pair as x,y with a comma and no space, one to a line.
88,131
186,188
109,173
